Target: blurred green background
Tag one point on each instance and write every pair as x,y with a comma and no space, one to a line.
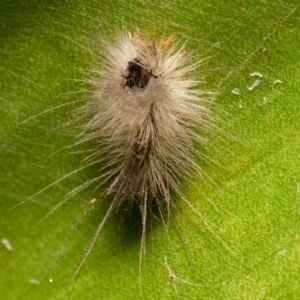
252,250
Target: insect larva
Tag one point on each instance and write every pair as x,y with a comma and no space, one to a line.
146,114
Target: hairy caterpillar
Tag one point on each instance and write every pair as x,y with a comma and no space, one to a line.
147,116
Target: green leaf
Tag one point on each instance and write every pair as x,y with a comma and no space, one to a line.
244,244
